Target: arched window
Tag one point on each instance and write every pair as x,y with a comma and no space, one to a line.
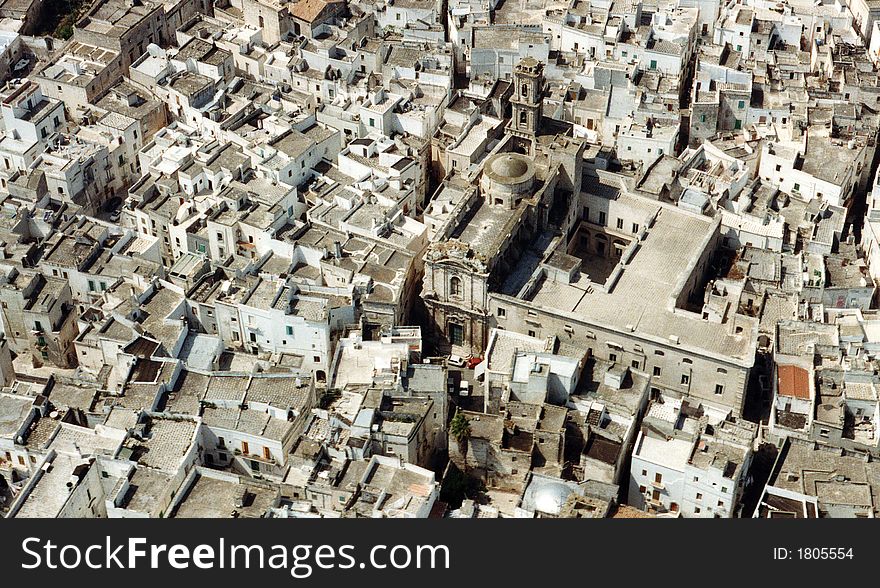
455,286
524,90
523,117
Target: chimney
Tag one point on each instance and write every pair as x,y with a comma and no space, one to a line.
614,378
337,249
240,498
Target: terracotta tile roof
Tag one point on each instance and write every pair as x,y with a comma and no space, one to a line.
793,381
309,10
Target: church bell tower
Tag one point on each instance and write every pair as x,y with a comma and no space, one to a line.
528,82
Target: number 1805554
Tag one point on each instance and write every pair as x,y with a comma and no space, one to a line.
807,553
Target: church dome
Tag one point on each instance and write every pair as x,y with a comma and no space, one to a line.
550,498
509,168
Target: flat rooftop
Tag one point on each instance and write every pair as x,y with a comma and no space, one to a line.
640,299
216,498
167,442
673,453
50,492
14,410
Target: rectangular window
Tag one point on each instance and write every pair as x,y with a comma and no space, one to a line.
244,447
502,312
620,223
685,379
719,389
657,370
289,330
456,334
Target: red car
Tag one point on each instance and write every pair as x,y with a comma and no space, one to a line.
473,362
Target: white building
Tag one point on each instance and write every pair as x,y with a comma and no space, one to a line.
818,167
277,320
688,462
